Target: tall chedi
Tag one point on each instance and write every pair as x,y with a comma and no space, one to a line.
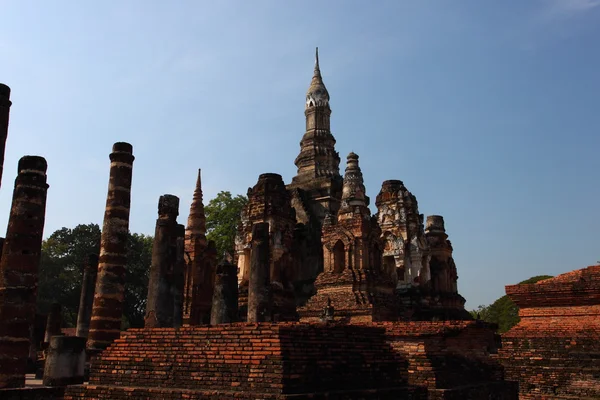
316,190
195,249
318,163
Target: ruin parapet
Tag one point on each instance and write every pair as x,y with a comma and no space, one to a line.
550,352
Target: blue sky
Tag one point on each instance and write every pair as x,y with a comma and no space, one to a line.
488,111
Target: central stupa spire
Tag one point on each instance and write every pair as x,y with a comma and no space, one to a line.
317,94
317,157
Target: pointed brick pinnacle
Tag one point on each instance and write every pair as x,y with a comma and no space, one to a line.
196,223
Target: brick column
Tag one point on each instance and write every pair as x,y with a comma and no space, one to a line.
178,277
86,299
107,310
5,104
225,297
53,322
259,307
19,269
160,305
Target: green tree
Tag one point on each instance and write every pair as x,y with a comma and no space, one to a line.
139,259
504,311
222,219
64,254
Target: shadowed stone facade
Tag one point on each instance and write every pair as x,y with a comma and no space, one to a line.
107,310
19,269
269,202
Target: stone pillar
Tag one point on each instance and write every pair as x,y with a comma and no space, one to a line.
204,282
19,269
53,322
65,362
5,104
160,307
259,307
107,310
178,277
225,296
86,300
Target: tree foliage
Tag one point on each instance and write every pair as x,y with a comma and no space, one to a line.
64,254
504,311
222,218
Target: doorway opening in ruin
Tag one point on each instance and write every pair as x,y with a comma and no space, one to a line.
338,257
389,267
376,259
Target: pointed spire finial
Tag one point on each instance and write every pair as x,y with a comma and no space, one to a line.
317,68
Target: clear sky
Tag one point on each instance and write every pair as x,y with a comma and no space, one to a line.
488,111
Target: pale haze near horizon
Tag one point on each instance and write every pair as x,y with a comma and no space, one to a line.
487,111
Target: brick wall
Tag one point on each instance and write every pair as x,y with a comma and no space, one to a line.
279,361
554,351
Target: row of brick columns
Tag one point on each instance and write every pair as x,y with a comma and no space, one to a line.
100,307
103,283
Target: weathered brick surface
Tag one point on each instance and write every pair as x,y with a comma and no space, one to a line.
277,361
554,352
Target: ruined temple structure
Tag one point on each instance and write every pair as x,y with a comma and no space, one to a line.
327,247
269,202
339,303
554,351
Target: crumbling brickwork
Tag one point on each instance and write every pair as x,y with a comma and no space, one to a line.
553,351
